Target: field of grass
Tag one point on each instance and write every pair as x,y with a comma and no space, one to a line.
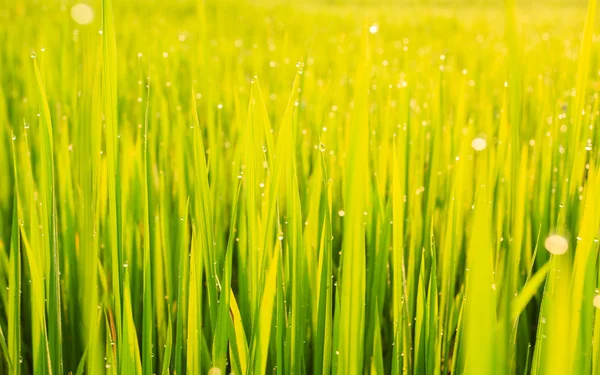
216,187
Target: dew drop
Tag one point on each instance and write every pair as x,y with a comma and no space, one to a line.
82,13
479,144
556,244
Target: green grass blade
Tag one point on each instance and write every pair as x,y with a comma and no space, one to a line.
260,340
109,100
147,312
353,265
49,224
13,347
221,336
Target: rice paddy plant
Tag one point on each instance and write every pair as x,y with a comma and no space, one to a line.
216,187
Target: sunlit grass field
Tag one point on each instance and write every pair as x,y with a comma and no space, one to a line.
216,187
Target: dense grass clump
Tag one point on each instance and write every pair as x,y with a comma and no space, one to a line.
228,187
